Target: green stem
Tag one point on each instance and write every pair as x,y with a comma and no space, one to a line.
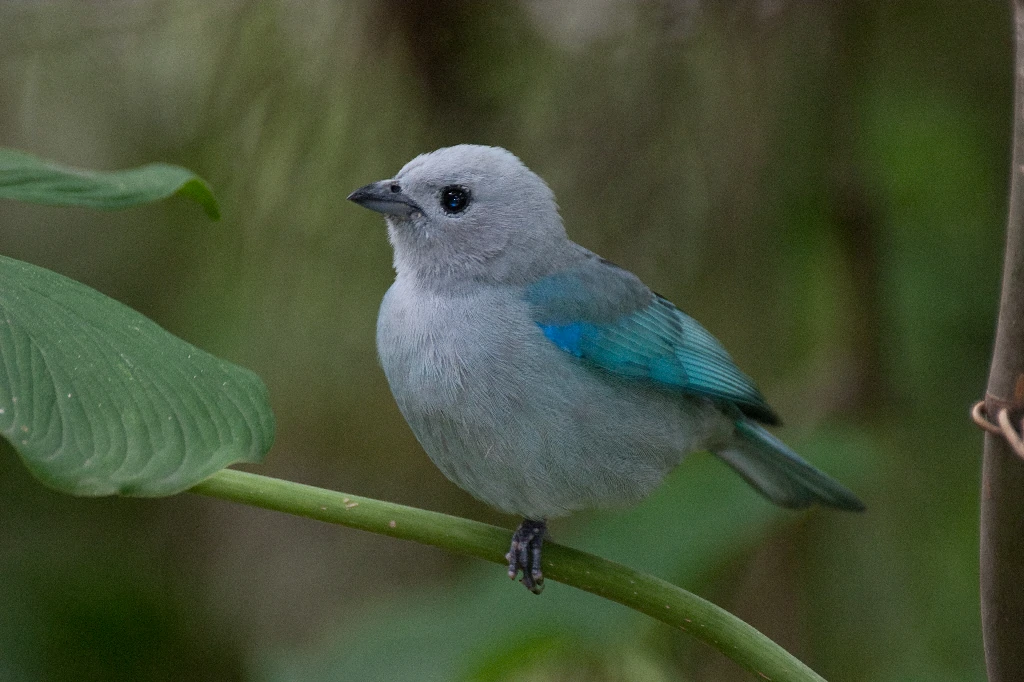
647,594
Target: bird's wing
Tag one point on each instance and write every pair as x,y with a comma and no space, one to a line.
606,316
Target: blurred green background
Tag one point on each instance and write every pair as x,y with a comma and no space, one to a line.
822,184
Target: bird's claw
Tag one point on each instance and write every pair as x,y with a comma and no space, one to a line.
524,554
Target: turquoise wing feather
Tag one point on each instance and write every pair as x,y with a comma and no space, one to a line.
606,316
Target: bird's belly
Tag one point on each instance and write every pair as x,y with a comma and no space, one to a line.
532,431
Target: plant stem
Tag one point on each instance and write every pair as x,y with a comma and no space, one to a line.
1002,474
647,594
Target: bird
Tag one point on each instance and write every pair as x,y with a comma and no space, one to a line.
542,378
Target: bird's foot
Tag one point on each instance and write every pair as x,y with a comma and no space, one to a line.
524,554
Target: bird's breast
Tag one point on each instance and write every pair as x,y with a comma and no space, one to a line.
437,350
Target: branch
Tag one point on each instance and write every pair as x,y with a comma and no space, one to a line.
1002,475
641,592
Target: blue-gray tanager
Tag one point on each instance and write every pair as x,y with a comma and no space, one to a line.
542,378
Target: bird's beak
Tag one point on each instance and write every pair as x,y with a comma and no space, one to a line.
385,197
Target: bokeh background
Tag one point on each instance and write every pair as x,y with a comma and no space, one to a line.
822,184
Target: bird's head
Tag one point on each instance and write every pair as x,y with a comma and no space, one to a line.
468,213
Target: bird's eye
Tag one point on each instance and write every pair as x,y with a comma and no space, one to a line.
454,199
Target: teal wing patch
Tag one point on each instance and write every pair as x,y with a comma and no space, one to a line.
656,342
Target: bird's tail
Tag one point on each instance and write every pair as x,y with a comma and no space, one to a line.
780,474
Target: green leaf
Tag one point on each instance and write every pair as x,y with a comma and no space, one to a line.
99,400
28,178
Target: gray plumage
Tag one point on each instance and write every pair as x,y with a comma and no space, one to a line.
538,376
